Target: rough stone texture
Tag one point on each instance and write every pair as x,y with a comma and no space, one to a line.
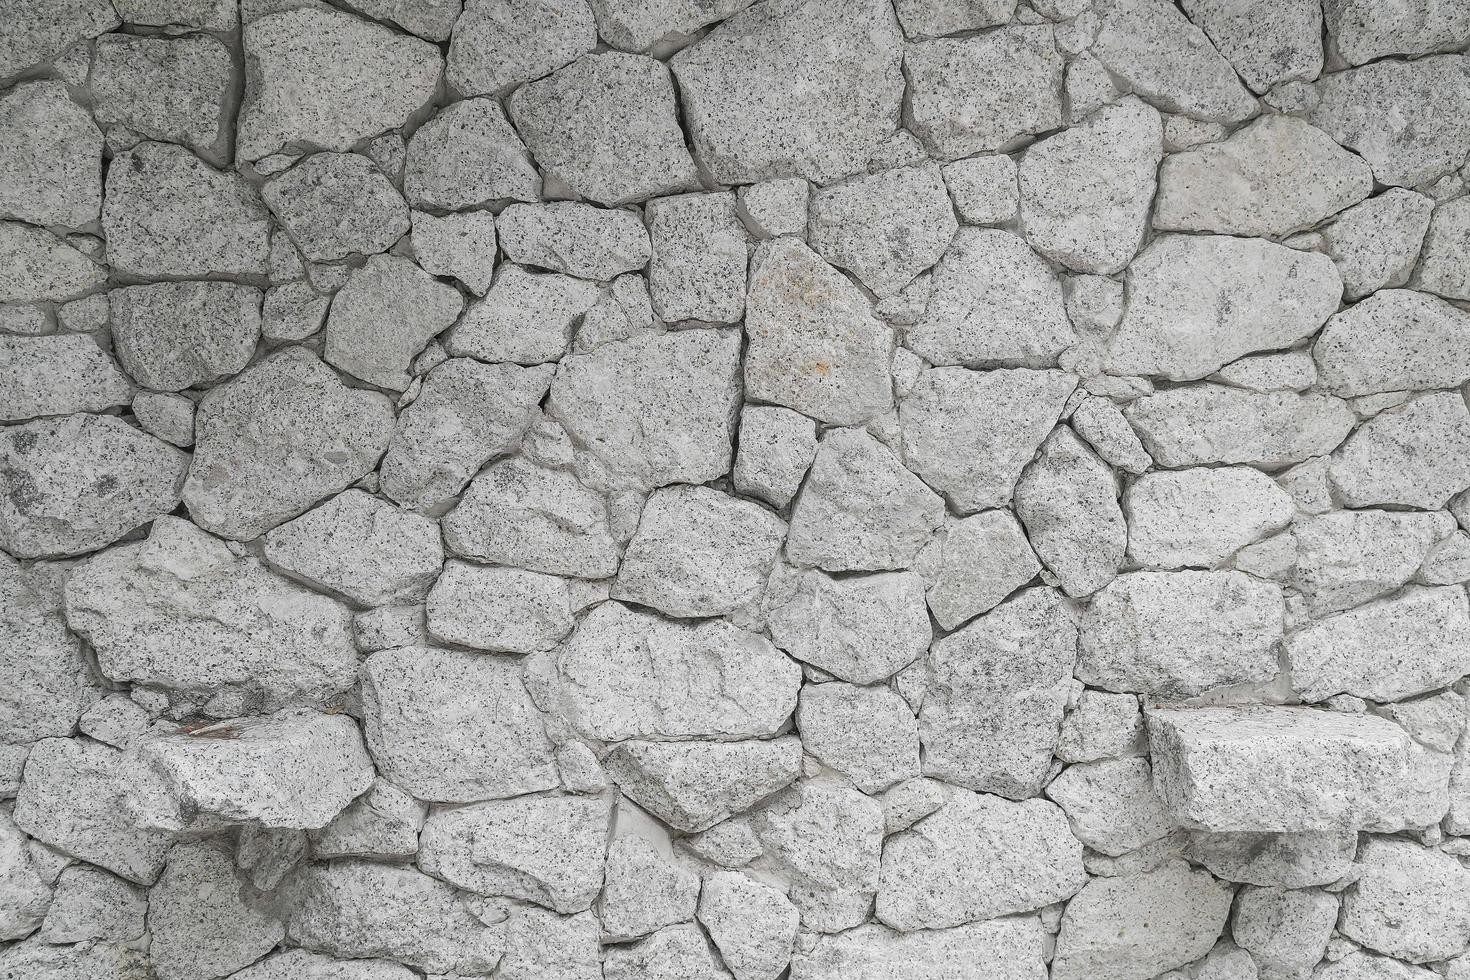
1416,455
497,44
699,257
505,610
58,375
466,156
1441,269
574,238
1067,500
694,785
1194,518
1395,340
1376,243
885,228
176,335
973,563
335,204
862,628
869,734
1203,424
50,157
1268,43
172,89
383,316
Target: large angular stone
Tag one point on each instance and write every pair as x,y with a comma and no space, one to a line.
1010,948
459,244
319,76
974,563
694,785
497,44
826,840
868,734
337,204
384,822
466,156
1408,901
630,674
277,439
50,157
58,375
92,904
27,896
969,434
752,924
1363,31
176,335
996,692
1395,340
1376,243
978,857
37,265
204,920
1178,634
525,317
1202,424
179,90
38,959
48,687
607,126
383,316
809,89
1345,558
1194,518
1267,41
76,483
1273,177
885,228
182,612
1417,455
34,33
860,628
1196,303
1285,930
453,727
1068,500
1070,213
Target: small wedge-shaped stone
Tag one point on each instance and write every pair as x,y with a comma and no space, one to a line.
497,44
860,628
1164,58
699,552
204,919
50,157
1398,115
181,611
327,79
1275,176
695,785
459,244
1376,243
885,228
1267,41
525,317
1363,31
983,93
1395,340
452,727
1194,518
1070,213
466,414
577,239
868,734
994,304
969,434
975,562
630,674
653,409
1137,926
544,849
607,126
294,769
506,610
1111,805
681,951
1196,303
1068,500
1178,634
294,964
361,548
35,265
996,693
807,89
752,924
357,909
382,318
176,335
1345,558
76,483
466,156
978,857
384,822
35,34
179,90
1200,424
1010,948
1385,651
1277,769
860,509
639,25
337,204
58,375
169,215
1417,455
277,439
815,345
1408,901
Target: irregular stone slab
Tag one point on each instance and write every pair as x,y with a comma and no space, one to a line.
1071,216
277,439
1376,243
1386,651
1346,558
36,34
506,610
466,156
204,920
50,157
548,849
1100,726
1408,902
695,785
1286,930
176,335
644,889
1277,769
1291,370
429,19
86,961
860,509
1417,455
1289,860
1273,177
1359,965
328,79
181,611
169,215
1137,926
93,904
294,963
753,925
362,909
978,857
1111,805
885,228
48,684
867,733
461,245
973,563
1068,500
72,798
777,447
995,696
653,409
994,303
984,93
639,25
1396,115
58,375
1442,268
954,436
1010,948
787,89
544,944
76,483
35,265
28,897
213,15
360,548
337,204
1198,517
178,90
1196,303
699,258
1165,59
607,126
630,674
699,552
524,515
1395,340
383,822
466,414
825,839
860,628
383,316
1178,634
527,318
1205,423
1267,43
497,44
680,951
578,239
1363,32
453,727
